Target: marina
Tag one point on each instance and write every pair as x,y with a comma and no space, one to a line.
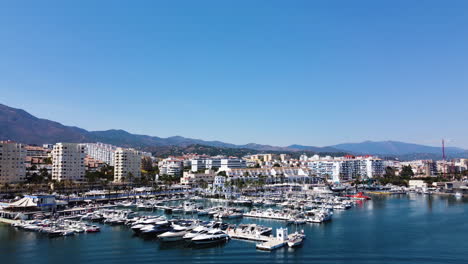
246,236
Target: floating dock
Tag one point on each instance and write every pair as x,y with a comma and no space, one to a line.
268,243
271,245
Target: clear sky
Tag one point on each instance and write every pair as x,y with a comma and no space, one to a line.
271,72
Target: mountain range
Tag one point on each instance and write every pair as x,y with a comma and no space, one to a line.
18,125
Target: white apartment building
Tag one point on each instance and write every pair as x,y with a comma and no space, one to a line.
194,178
272,174
329,169
227,164
220,163
127,164
12,158
171,166
102,152
203,164
346,168
68,162
218,184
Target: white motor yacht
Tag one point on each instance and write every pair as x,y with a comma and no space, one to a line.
212,236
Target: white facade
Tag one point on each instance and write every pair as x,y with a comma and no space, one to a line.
227,164
195,178
12,158
203,164
272,174
102,152
219,183
346,168
171,166
218,163
127,164
68,162
417,184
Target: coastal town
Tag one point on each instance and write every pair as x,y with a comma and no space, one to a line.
85,166
65,189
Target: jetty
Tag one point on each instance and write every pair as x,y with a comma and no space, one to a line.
273,243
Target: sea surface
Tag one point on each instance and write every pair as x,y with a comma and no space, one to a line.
388,229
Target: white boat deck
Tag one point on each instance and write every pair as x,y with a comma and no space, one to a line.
239,235
283,218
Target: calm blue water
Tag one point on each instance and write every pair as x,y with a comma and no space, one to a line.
398,229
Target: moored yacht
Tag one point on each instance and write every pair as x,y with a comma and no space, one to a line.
213,236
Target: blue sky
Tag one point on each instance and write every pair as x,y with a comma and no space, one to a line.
272,72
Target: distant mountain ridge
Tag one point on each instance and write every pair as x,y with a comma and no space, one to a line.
18,125
394,148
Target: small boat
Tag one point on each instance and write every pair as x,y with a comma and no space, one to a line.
174,235
92,229
359,196
199,230
296,239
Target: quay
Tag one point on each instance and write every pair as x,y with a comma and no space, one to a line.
271,245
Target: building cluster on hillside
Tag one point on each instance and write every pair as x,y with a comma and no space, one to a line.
71,161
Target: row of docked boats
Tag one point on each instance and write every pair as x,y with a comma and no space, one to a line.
57,228
293,216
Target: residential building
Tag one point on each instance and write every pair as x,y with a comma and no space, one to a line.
195,178
35,151
346,168
127,165
68,162
171,166
417,184
102,152
274,174
219,184
12,158
232,163
221,163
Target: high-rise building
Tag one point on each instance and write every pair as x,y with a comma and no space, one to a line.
127,165
12,158
68,162
102,152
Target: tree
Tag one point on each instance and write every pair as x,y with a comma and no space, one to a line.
389,172
406,172
203,184
222,173
146,164
131,177
276,165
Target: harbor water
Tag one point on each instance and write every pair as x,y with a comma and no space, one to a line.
399,229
